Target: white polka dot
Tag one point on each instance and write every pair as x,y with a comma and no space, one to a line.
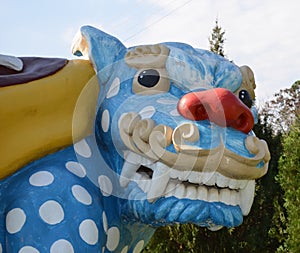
62,246
105,120
138,247
105,185
114,88
113,238
82,148
76,168
15,220
41,178
125,249
104,219
1,248
51,212
28,249
81,194
147,112
174,113
88,231
166,101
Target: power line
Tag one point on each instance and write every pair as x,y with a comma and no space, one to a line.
158,20
150,9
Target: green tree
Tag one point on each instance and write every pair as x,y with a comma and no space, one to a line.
289,178
217,39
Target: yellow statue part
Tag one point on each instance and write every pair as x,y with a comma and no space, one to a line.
36,117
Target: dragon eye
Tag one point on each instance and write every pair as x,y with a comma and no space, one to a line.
245,97
148,78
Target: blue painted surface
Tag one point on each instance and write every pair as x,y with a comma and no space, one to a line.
92,218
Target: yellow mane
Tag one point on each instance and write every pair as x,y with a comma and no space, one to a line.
36,117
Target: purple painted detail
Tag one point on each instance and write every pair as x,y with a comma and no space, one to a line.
34,68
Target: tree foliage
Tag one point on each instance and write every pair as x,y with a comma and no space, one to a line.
289,178
217,40
281,111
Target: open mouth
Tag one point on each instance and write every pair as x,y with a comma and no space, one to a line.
158,180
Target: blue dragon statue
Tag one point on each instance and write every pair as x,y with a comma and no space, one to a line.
162,135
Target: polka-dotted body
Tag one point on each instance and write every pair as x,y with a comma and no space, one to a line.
52,206
49,206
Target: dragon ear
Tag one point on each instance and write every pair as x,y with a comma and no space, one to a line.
100,48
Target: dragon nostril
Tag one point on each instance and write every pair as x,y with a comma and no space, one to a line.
241,122
201,112
219,106
191,107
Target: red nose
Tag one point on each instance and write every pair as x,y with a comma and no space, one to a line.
218,105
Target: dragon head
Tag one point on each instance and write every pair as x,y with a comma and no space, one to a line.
173,125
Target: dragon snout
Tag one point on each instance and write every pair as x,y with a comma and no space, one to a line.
220,106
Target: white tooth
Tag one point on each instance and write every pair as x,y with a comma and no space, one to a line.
179,191
191,192
132,158
213,195
246,197
222,181
243,184
237,199
146,162
185,191
145,177
225,196
174,173
237,184
170,189
143,182
233,184
141,185
147,184
128,172
195,177
208,178
202,193
183,175
233,198
137,177
159,181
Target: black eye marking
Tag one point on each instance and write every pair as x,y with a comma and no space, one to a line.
149,78
245,97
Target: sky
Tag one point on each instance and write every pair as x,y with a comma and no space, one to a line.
264,35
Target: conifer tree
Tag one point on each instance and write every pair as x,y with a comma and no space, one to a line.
217,40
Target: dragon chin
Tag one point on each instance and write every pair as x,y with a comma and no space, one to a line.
171,210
